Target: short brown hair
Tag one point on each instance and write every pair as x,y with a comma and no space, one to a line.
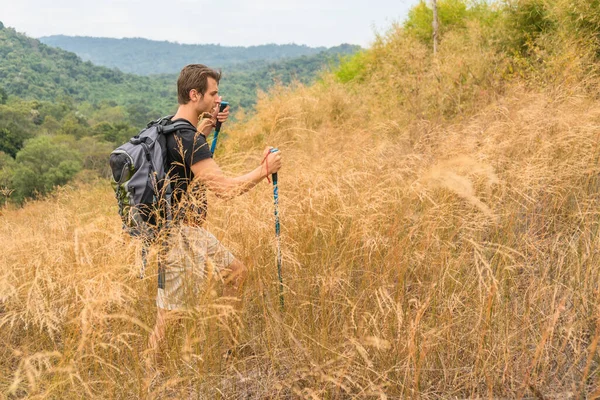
194,76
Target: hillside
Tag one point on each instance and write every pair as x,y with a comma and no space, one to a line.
440,218
145,57
33,70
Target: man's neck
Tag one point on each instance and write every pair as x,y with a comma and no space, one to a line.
188,114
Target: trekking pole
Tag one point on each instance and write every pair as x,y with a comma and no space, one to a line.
276,202
213,145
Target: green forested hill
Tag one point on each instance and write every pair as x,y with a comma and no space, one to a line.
33,70
146,57
70,113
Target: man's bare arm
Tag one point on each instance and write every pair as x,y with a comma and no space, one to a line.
225,187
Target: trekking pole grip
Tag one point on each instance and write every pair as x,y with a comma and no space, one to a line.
274,176
222,108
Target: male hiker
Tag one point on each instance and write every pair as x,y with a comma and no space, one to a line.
191,163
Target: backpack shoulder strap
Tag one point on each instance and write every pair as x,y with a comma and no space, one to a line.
174,127
161,121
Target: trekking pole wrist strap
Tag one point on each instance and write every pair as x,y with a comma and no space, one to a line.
266,162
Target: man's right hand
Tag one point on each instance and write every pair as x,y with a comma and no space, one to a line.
271,161
205,126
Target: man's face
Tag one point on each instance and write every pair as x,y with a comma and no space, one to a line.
210,98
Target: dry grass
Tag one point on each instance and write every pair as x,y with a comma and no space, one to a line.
450,255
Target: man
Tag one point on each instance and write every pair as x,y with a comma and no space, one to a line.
190,159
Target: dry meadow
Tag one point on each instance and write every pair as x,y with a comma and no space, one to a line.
427,254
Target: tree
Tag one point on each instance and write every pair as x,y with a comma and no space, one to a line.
43,163
117,133
451,15
10,141
15,127
3,94
7,164
140,114
72,125
94,154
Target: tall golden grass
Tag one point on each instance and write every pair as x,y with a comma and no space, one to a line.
440,240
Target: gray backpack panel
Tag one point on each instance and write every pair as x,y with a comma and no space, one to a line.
140,180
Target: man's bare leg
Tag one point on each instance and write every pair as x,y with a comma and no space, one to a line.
156,339
234,279
233,285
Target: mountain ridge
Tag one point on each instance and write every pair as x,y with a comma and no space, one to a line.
148,57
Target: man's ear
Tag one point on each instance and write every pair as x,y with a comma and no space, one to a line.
194,95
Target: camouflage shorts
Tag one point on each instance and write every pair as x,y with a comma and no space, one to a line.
186,266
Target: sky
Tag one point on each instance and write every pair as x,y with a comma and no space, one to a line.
226,22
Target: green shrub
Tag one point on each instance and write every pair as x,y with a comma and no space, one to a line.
43,163
581,18
15,127
3,95
7,164
526,21
352,67
451,13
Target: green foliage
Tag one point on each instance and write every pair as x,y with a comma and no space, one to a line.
58,109
33,70
352,68
94,154
74,125
453,15
16,126
7,164
542,24
527,21
116,133
553,42
6,160
3,96
43,163
584,15
139,114
579,18
47,161
50,124
65,83
10,141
